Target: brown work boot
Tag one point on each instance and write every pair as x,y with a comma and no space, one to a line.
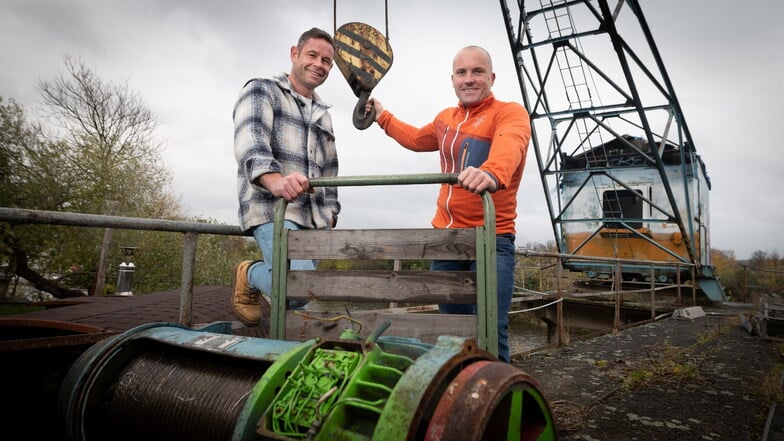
247,303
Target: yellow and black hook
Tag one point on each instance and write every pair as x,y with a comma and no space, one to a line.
364,56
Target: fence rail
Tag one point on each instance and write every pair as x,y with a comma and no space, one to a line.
190,230
617,291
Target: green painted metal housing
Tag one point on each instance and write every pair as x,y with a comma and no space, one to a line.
379,388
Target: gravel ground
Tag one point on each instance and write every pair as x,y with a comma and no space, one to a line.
706,378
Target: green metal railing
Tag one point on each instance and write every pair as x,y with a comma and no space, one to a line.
486,299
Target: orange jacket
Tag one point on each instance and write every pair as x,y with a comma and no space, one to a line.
492,136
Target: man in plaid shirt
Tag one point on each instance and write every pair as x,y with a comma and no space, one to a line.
283,137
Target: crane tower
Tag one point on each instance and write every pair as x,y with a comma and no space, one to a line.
618,165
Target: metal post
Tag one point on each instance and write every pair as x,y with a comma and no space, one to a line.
745,284
560,333
103,263
396,266
653,294
618,286
186,288
678,282
541,276
693,287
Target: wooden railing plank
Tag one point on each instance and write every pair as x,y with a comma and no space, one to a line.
305,325
383,244
383,286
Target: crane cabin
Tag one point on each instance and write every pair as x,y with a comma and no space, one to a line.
623,215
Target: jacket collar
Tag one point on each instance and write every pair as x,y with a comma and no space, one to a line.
481,105
283,81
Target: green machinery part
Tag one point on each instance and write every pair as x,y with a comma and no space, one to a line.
165,381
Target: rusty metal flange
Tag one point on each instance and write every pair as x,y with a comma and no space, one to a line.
492,401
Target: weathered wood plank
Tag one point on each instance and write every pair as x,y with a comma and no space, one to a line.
383,244
305,325
383,286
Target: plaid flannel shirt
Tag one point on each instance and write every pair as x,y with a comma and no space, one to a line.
273,134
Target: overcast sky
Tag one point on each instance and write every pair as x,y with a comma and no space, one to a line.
188,60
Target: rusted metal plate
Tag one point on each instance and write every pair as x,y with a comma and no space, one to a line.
447,404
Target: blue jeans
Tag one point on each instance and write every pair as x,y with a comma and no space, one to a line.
505,261
260,273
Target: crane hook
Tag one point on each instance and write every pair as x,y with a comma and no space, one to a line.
364,56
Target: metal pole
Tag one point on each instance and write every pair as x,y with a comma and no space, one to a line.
186,289
678,282
693,287
618,277
560,334
653,294
25,216
745,282
103,263
395,267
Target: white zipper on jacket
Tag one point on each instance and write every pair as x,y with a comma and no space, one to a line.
454,166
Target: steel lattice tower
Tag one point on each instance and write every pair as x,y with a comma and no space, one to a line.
618,165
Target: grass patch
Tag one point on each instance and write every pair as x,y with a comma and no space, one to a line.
666,365
672,365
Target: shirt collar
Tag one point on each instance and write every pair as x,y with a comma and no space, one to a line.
283,80
486,102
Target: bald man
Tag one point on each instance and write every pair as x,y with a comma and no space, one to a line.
484,141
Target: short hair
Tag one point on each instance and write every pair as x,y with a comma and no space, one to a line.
314,33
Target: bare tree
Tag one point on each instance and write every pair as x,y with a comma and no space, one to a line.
96,153
109,129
